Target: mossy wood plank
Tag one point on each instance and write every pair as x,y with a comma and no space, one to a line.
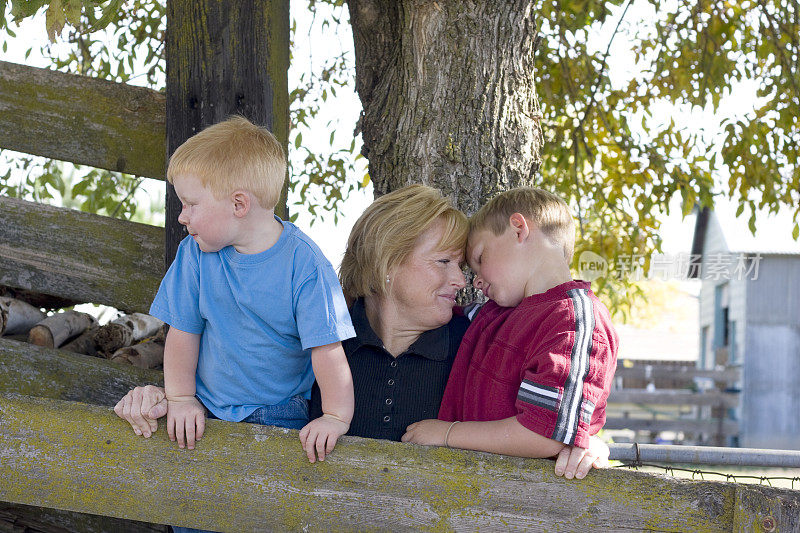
59,375
84,120
79,256
244,477
764,509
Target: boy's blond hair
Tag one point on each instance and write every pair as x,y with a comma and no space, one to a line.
547,211
386,233
230,155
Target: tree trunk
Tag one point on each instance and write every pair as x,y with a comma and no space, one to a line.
448,95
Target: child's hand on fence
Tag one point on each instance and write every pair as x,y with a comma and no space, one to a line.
319,436
186,420
429,432
576,462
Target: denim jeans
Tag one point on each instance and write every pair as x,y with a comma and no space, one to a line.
291,413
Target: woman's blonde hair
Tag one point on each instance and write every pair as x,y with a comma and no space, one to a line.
548,211
230,155
385,235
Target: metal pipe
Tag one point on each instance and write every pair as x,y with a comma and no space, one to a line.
710,455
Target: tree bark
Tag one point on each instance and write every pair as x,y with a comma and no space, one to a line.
448,95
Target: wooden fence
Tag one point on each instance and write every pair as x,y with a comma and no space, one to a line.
77,457
63,449
702,416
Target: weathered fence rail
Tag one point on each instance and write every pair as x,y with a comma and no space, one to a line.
79,256
81,458
244,477
701,415
84,120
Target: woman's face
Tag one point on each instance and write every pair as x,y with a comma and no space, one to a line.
423,288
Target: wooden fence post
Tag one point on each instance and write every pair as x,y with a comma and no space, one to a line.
223,58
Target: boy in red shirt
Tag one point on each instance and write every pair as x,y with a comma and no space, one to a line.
534,369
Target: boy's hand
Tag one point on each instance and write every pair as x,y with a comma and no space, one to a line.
319,436
427,432
576,462
186,420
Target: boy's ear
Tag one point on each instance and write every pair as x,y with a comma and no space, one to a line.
519,225
241,203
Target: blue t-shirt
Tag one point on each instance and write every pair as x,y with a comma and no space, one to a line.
258,316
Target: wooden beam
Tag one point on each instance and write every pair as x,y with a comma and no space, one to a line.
224,57
56,374
712,426
83,120
245,477
673,397
643,371
79,256
59,375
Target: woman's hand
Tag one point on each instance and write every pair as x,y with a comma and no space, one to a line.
576,462
141,407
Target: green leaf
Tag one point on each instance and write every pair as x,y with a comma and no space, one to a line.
55,19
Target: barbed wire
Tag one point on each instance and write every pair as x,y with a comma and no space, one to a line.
762,480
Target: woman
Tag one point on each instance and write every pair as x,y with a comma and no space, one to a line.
401,269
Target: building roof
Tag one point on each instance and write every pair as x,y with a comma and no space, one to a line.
773,230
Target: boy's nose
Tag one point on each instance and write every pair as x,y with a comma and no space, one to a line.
183,219
477,282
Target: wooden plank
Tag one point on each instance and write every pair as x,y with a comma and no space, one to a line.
59,375
83,120
56,374
673,397
79,256
728,375
711,426
30,519
764,509
238,66
245,477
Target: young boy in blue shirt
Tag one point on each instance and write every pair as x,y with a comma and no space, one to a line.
255,310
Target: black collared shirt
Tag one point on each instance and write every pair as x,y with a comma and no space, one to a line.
391,393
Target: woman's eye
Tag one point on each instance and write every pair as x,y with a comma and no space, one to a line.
444,261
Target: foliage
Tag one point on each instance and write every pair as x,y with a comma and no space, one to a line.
123,41
610,146
619,162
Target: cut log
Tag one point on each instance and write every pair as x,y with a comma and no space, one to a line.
55,330
84,343
125,331
143,355
18,317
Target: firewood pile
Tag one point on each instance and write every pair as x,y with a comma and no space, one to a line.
136,339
